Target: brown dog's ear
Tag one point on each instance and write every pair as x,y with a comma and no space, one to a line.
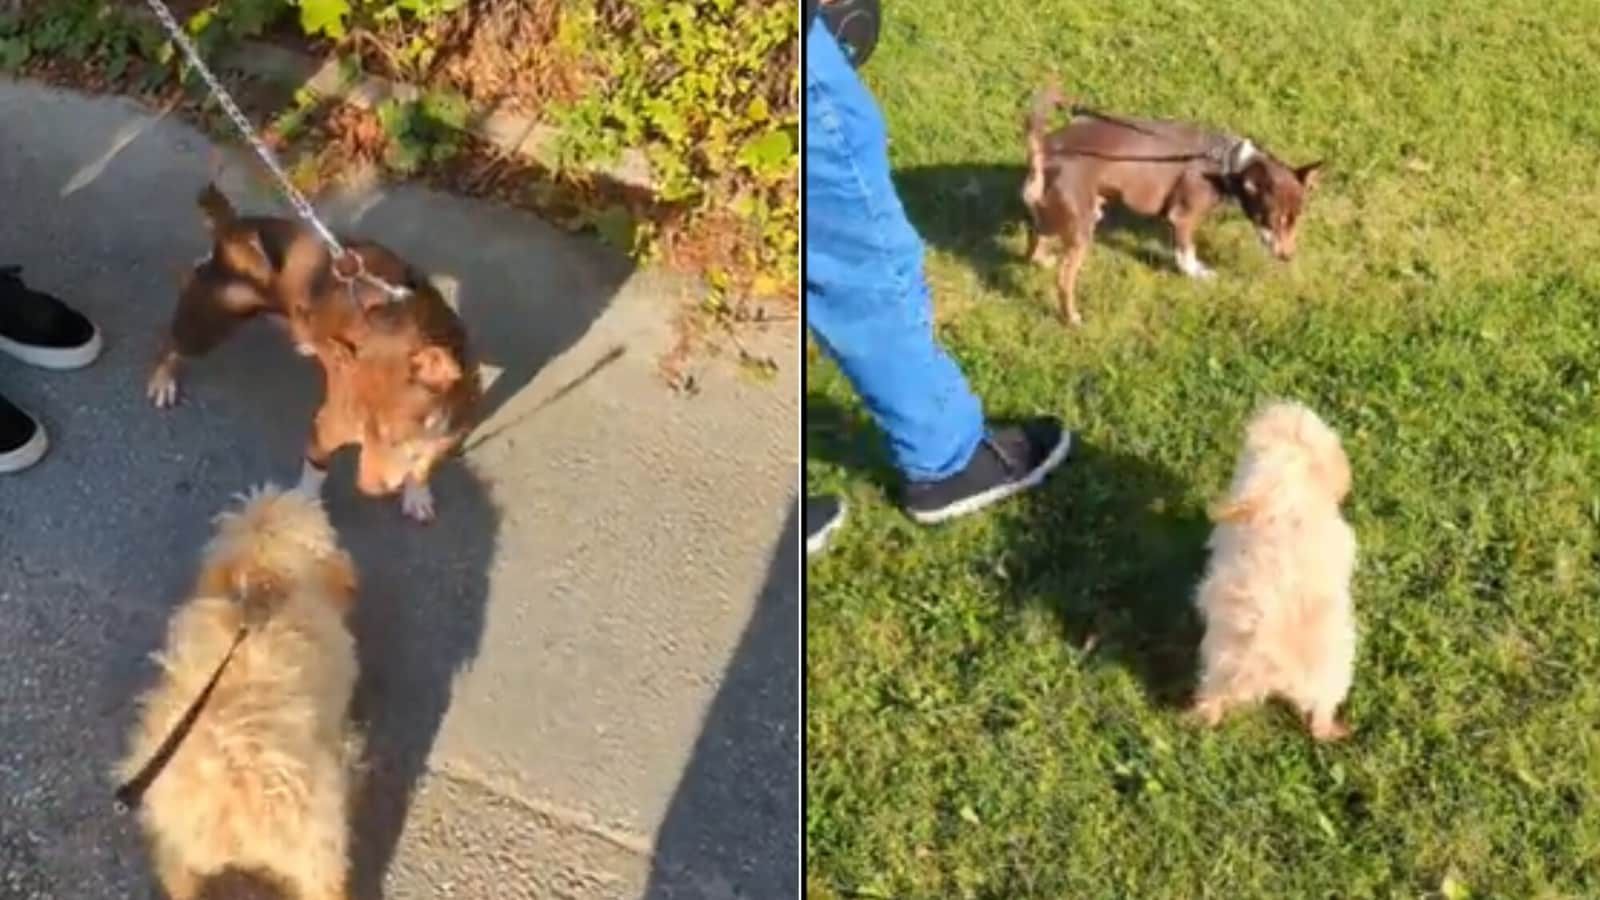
433,367
339,352
1308,174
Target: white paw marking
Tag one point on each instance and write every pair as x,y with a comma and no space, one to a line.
162,389
1033,189
416,502
311,479
1190,265
305,349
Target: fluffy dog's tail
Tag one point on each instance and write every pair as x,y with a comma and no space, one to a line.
273,539
1290,453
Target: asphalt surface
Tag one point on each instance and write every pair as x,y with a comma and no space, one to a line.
582,681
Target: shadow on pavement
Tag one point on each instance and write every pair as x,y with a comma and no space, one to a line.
419,624
732,828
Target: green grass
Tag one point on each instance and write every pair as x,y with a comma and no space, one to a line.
992,706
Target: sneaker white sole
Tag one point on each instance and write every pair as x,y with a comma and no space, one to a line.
26,455
998,492
60,359
815,542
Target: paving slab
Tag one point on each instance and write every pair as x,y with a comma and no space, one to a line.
582,681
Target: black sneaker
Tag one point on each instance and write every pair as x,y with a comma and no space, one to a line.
41,330
1010,460
22,438
824,515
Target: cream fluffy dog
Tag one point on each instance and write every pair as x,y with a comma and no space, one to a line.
262,781
1275,598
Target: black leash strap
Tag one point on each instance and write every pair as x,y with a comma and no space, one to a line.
1218,155
131,792
1092,113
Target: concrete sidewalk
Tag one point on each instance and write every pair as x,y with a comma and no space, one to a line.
582,681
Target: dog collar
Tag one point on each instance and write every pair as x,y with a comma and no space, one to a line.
1233,156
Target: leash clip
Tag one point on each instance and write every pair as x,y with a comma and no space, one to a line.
359,273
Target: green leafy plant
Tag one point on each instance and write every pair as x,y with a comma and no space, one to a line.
77,30
14,45
708,89
324,17
334,18
424,130
235,19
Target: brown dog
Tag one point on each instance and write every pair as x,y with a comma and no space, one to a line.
1174,170
400,380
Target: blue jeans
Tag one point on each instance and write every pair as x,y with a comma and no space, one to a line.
866,298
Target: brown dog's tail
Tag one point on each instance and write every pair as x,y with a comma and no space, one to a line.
218,212
1045,103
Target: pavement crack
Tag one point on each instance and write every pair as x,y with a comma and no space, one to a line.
557,817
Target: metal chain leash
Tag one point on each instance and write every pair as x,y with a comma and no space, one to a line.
302,206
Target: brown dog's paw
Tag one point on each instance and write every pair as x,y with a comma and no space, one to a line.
416,503
162,388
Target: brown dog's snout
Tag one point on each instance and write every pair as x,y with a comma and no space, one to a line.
1283,246
372,486
376,476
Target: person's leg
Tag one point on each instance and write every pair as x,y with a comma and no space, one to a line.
866,300
867,305
42,331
